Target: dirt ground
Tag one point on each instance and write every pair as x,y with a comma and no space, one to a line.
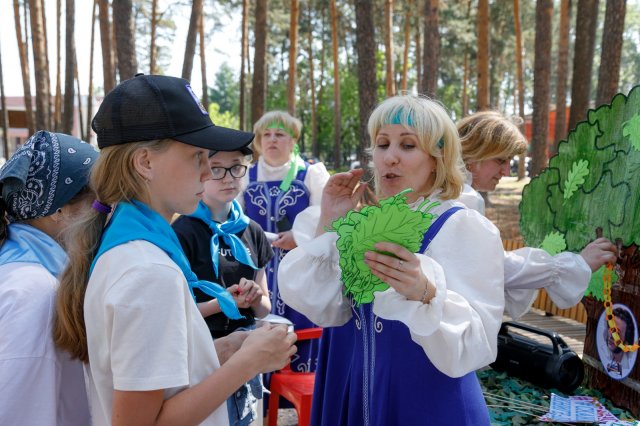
502,208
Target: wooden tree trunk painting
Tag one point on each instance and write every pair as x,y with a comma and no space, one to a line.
69,68
520,81
337,119
293,56
152,42
90,89
244,57
125,39
108,70
611,51
586,15
390,85
24,67
203,63
541,85
43,105
482,60
561,74
367,86
590,190
192,33
431,49
259,84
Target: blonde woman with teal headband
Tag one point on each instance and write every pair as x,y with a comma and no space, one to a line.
280,186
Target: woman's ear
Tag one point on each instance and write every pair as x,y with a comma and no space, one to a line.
142,160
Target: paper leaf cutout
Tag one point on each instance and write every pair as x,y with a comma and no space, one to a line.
631,129
392,221
575,178
596,283
553,243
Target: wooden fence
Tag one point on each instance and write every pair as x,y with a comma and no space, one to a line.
543,301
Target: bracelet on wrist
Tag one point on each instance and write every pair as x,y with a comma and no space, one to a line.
425,296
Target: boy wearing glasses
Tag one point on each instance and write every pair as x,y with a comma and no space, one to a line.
226,247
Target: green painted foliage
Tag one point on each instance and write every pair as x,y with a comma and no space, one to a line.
631,129
596,285
553,243
574,198
392,221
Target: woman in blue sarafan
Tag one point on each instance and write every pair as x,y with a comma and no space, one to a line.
279,186
409,357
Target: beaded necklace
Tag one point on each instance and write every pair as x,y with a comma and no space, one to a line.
613,328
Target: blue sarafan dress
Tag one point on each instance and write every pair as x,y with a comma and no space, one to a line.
269,206
396,361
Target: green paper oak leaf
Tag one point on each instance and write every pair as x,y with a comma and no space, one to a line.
596,285
553,243
631,129
575,178
391,221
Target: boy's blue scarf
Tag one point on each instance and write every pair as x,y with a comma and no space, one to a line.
27,244
236,222
136,221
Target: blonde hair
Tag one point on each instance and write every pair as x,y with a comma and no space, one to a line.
486,135
292,126
437,136
113,179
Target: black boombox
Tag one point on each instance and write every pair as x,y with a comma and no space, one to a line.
552,365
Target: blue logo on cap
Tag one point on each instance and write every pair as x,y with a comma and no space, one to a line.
196,100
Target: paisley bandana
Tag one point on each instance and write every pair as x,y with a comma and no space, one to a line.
44,174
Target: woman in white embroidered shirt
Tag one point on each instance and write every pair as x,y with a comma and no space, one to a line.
418,344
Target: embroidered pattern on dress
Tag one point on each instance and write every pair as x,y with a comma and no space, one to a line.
258,197
290,199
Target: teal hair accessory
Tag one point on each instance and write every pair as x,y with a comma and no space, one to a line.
398,118
440,143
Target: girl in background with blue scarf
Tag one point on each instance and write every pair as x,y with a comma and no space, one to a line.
43,187
224,246
125,305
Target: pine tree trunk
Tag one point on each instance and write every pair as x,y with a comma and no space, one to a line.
407,42
5,115
69,68
190,47
520,82
203,64
482,60
24,67
418,54
293,55
315,149
561,75
90,90
431,49
154,27
125,39
80,117
57,105
367,86
541,86
43,93
259,84
108,70
337,120
611,51
390,85
46,60
587,16
244,57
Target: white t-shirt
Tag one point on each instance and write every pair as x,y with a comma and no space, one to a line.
39,385
144,330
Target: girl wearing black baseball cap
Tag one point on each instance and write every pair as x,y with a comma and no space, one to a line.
125,304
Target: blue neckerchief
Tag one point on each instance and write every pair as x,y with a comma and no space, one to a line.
136,221
236,222
27,244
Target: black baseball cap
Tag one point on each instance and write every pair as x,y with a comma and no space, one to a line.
149,107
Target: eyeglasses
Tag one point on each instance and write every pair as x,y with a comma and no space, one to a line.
236,171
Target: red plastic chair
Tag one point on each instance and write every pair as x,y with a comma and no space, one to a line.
294,386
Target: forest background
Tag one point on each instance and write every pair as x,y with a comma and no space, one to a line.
330,62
